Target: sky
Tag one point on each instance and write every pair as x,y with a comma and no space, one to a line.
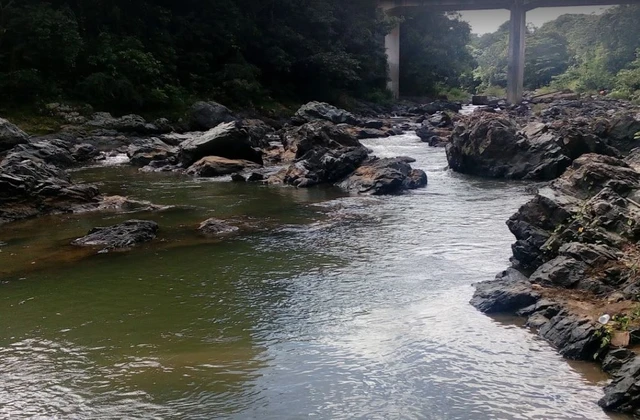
483,21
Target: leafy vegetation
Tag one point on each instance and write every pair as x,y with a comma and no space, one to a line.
132,55
586,53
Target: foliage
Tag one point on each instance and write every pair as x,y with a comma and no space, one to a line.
435,56
143,54
585,53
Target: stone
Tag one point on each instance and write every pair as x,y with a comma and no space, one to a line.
479,100
208,115
32,187
124,235
11,135
214,227
315,135
573,336
384,176
562,271
144,151
212,166
508,293
323,111
228,140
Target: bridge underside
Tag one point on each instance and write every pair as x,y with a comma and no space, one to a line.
518,8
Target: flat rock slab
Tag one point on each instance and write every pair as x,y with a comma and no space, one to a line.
123,235
212,166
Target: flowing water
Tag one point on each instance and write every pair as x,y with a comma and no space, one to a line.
326,306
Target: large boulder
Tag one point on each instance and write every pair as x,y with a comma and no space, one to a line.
31,187
212,166
508,293
144,151
54,152
321,166
230,140
123,235
207,115
622,131
10,135
384,176
323,111
491,145
299,141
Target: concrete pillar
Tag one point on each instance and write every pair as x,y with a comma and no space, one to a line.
392,45
515,71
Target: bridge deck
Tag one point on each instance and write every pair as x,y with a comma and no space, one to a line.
458,5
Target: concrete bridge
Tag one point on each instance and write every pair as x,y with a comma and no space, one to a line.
517,31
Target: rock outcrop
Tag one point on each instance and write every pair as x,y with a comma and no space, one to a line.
575,259
384,176
10,135
121,236
212,166
322,111
492,145
32,187
228,140
207,115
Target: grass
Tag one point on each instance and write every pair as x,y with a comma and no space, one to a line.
32,120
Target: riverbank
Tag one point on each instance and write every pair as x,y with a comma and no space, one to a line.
574,265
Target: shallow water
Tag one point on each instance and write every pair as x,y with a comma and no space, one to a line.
327,306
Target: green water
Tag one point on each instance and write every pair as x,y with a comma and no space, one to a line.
325,305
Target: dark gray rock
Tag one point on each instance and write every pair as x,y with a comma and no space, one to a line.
573,336
123,235
54,152
31,187
144,151
315,135
207,115
214,227
322,111
562,271
11,135
384,176
623,393
508,293
212,166
229,140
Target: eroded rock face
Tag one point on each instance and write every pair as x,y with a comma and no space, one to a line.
314,135
11,135
578,239
492,145
123,235
144,151
384,176
229,140
322,111
207,115
31,187
212,166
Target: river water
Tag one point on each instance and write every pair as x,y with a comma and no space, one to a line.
328,306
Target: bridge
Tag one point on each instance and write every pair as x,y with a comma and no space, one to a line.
517,31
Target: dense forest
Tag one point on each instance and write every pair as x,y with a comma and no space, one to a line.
584,53
132,55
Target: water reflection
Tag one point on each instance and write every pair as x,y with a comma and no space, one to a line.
337,307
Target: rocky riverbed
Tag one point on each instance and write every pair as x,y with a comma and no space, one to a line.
574,274
576,256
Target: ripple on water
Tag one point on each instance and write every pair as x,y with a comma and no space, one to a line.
342,307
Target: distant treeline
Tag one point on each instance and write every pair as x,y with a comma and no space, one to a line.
581,52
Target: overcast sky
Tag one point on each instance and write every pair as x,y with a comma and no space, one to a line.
483,21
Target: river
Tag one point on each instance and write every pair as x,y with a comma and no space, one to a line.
331,307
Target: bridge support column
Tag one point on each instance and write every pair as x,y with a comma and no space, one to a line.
515,72
392,46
